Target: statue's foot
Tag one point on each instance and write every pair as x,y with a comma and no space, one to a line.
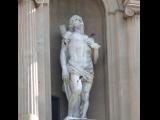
68,118
74,118
84,117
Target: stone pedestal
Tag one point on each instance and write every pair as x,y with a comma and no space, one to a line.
72,118
80,119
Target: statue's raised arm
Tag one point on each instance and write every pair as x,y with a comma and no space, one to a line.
63,30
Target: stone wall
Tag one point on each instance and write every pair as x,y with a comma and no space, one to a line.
121,60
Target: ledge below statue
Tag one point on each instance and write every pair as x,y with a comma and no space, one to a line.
73,118
79,119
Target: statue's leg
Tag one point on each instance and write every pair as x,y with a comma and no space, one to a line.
85,98
77,108
76,89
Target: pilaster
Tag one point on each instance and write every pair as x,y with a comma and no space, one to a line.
132,15
27,62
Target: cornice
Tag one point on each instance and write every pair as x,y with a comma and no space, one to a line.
37,3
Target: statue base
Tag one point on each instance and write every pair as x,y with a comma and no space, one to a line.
80,119
72,118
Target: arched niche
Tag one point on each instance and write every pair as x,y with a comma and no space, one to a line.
93,14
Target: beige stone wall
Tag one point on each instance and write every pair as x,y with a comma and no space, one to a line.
44,65
133,35
123,59
117,67
34,84
121,38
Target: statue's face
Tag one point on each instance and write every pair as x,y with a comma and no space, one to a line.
76,21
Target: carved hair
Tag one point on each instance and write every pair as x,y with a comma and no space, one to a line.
72,23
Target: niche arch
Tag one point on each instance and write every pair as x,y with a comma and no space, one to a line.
93,13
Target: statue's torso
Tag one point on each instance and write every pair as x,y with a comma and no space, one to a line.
78,49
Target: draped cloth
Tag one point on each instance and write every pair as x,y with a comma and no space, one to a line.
86,72
74,68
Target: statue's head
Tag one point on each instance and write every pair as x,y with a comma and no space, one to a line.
76,22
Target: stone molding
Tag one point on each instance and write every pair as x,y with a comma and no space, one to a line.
37,3
28,117
131,7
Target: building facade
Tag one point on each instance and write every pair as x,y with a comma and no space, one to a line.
116,90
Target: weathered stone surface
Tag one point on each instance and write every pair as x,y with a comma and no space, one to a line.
76,55
27,62
119,57
43,59
133,35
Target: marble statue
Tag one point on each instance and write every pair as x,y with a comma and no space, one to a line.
78,54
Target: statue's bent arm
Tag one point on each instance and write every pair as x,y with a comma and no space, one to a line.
95,55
